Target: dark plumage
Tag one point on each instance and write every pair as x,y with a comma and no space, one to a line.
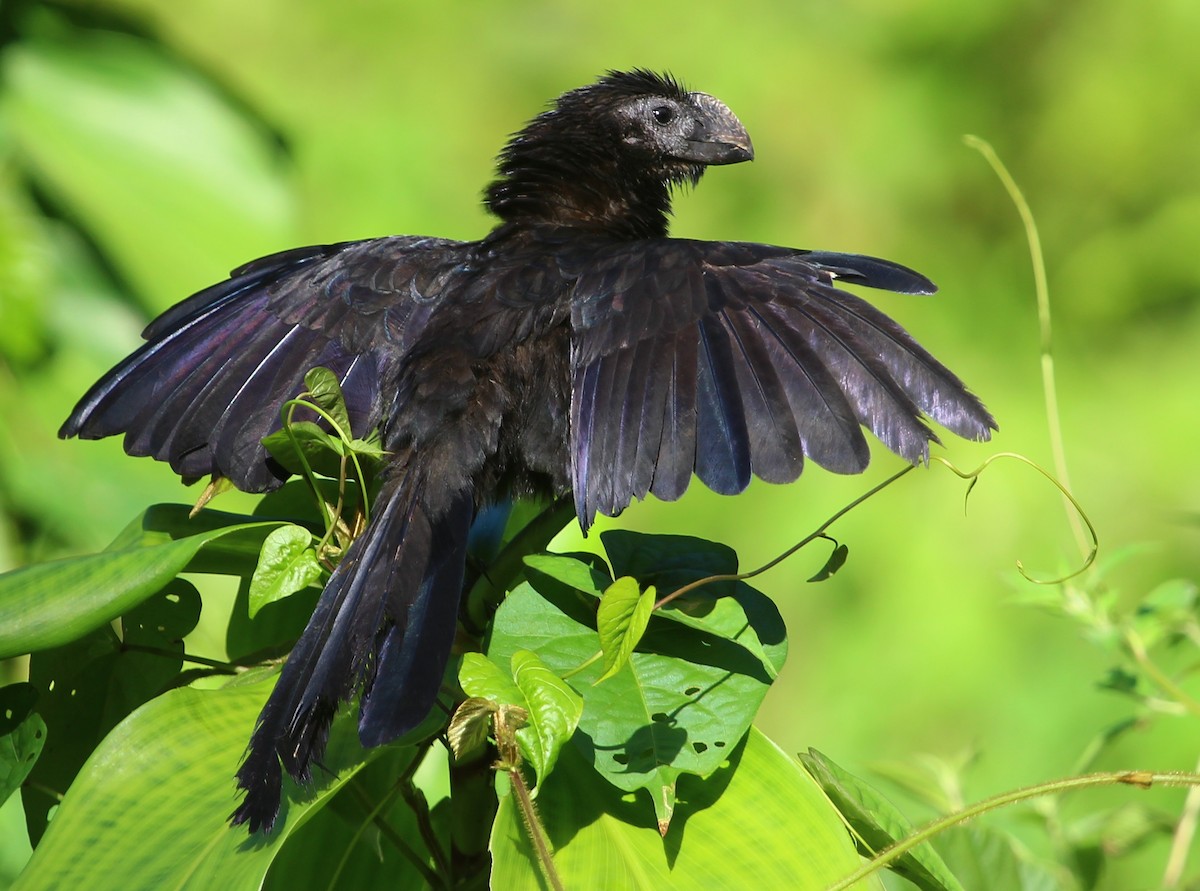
575,348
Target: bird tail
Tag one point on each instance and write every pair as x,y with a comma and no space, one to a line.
384,624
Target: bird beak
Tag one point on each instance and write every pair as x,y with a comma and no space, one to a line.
719,137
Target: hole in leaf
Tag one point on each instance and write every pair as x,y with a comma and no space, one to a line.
661,717
700,747
8,713
719,744
621,759
691,691
174,598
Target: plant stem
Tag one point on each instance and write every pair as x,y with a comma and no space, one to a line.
819,533
432,878
1142,778
1181,840
1042,291
222,667
533,826
1138,650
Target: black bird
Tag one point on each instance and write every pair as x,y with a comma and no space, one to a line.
576,348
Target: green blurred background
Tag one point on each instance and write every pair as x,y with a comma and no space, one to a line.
149,146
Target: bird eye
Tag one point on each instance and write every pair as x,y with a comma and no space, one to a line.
664,114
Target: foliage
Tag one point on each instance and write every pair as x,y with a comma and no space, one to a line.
148,146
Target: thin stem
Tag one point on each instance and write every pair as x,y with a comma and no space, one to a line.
973,476
1042,290
415,799
1138,650
287,411
770,564
432,878
1181,840
533,826
1141,778
221,666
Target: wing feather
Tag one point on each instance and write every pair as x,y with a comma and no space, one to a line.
729,360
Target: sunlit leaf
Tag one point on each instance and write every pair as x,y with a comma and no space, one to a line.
621,620
287,564
50,604
552,707
554,710
758,822
174,759
679,705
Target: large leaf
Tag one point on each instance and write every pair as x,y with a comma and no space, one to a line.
91,684
149,810
758,822
678,705
50,604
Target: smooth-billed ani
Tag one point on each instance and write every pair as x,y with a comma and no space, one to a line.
576,348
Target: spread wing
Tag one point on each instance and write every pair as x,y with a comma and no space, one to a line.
731,359
207,385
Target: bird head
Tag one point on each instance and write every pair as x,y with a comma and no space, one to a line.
606,155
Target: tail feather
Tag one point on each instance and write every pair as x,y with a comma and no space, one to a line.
384,624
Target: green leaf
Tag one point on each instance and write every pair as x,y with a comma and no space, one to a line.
878,823
344,846
149,809
480,677
554,710
732,610
22,736
90,685
370,448
680,704
50,604
621,620
321,450
835,562
553,707
759,821
570,571
326,393
287,564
